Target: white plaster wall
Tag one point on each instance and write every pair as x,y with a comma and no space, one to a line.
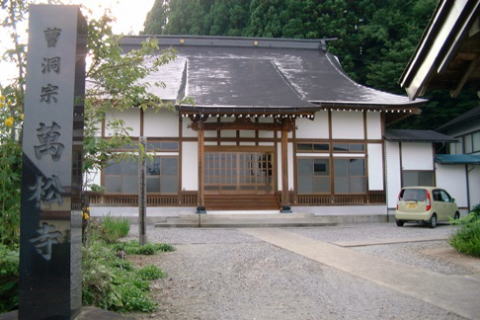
131,120
417,156
266,144
374,125
453,179
189,166
474,182
247,143
313,129
163,123
291,159
375,166
392,166
347,125
186,131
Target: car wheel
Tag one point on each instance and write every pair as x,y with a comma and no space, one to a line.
456,216
432,223
399,223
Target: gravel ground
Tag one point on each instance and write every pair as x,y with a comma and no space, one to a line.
225,274
414,254
373,232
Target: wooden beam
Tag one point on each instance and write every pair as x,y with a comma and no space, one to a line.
201,172
285,197
244,124
471,68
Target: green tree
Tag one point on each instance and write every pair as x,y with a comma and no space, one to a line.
375,37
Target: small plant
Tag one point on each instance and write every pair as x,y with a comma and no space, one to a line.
133,247
113,229
150,272
467,239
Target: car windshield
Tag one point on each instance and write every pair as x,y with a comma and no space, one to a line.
413,195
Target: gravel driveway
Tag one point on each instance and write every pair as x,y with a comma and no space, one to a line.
226,274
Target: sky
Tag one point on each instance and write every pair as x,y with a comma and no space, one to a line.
129,15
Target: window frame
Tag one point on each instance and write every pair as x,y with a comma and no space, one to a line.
364,151
327,177
365,176
177,175
403,179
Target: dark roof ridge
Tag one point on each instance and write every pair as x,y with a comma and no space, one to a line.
229,41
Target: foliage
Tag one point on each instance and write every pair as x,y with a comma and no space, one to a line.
375,38
10,170
150,272
467,239
113,229
9,261
133,247
110,281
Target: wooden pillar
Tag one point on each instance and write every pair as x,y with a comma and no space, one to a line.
285,196
201,171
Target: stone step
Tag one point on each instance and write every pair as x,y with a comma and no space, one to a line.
263,220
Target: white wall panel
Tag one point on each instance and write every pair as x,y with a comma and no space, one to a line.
347,125
313,129
474,182
186,131
163,123
291,159
374,125
375,166
453,179
417,156
190,166
392,163
131,120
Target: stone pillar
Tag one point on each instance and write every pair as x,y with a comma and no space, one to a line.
51,216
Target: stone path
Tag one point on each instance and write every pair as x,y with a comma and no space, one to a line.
458,294
232,274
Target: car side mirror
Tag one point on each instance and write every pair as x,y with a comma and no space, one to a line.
452,200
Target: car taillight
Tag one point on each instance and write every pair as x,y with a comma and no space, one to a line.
429,201
399,194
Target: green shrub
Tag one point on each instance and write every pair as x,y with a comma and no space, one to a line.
112,283
150,272
113,229
467,239
133,247
9,260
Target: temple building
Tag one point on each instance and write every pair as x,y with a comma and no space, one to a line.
272,124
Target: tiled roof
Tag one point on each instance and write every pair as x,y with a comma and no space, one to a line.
228,72
410,135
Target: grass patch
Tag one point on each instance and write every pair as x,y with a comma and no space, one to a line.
113,229
112,283
133,247
467,239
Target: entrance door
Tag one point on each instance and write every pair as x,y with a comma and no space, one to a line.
239,179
